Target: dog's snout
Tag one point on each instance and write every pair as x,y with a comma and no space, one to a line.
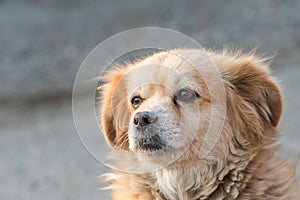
142,119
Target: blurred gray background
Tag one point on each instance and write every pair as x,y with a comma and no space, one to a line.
42,44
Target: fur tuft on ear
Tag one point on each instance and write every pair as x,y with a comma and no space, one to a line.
114,109
250,78
254,99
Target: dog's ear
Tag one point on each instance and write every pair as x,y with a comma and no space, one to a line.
114,111
251,80
258,101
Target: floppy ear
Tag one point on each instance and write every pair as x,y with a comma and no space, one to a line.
253,83
114,112
253,97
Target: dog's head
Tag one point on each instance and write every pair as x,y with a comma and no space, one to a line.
161,107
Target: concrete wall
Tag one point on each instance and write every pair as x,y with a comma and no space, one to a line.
44,42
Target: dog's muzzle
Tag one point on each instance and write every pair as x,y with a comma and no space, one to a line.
144,119
147,138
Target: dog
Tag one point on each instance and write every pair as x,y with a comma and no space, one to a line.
161,109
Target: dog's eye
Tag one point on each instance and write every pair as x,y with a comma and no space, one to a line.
186,95
136,101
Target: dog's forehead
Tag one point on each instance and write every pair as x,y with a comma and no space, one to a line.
147,76
169,70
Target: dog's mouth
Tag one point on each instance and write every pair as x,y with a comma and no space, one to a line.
149,144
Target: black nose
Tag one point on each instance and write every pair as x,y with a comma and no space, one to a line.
142,119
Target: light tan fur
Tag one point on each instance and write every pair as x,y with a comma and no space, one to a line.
242,164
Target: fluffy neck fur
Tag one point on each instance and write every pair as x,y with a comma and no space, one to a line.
249,179
204,179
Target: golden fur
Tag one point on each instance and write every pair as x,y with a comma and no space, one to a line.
242,164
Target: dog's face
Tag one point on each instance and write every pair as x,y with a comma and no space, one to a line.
165,105
161,108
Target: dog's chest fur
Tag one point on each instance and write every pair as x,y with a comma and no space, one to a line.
180,183
198,183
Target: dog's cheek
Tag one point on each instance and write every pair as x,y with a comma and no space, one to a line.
131,135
